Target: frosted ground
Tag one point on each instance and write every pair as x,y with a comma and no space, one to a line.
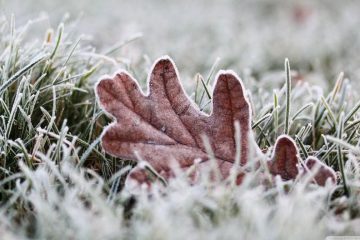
57,183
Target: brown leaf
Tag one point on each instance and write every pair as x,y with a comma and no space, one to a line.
286,163
165,125
285,159
323,173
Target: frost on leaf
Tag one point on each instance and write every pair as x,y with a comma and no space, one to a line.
164,125
322,171
284,161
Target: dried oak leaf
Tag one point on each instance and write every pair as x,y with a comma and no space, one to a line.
286,163
165,125
323,172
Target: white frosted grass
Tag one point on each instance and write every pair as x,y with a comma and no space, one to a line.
208,210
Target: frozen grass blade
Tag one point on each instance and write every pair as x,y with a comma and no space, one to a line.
340,154
302,147
329,111
304,108
261,120
288,96
205,84
58,40
276,113
20,73
352,112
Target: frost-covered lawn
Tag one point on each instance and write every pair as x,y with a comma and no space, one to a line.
56,182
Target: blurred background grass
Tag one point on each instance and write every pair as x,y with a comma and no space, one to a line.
317,36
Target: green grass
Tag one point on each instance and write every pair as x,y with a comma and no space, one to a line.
57,183
46,90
